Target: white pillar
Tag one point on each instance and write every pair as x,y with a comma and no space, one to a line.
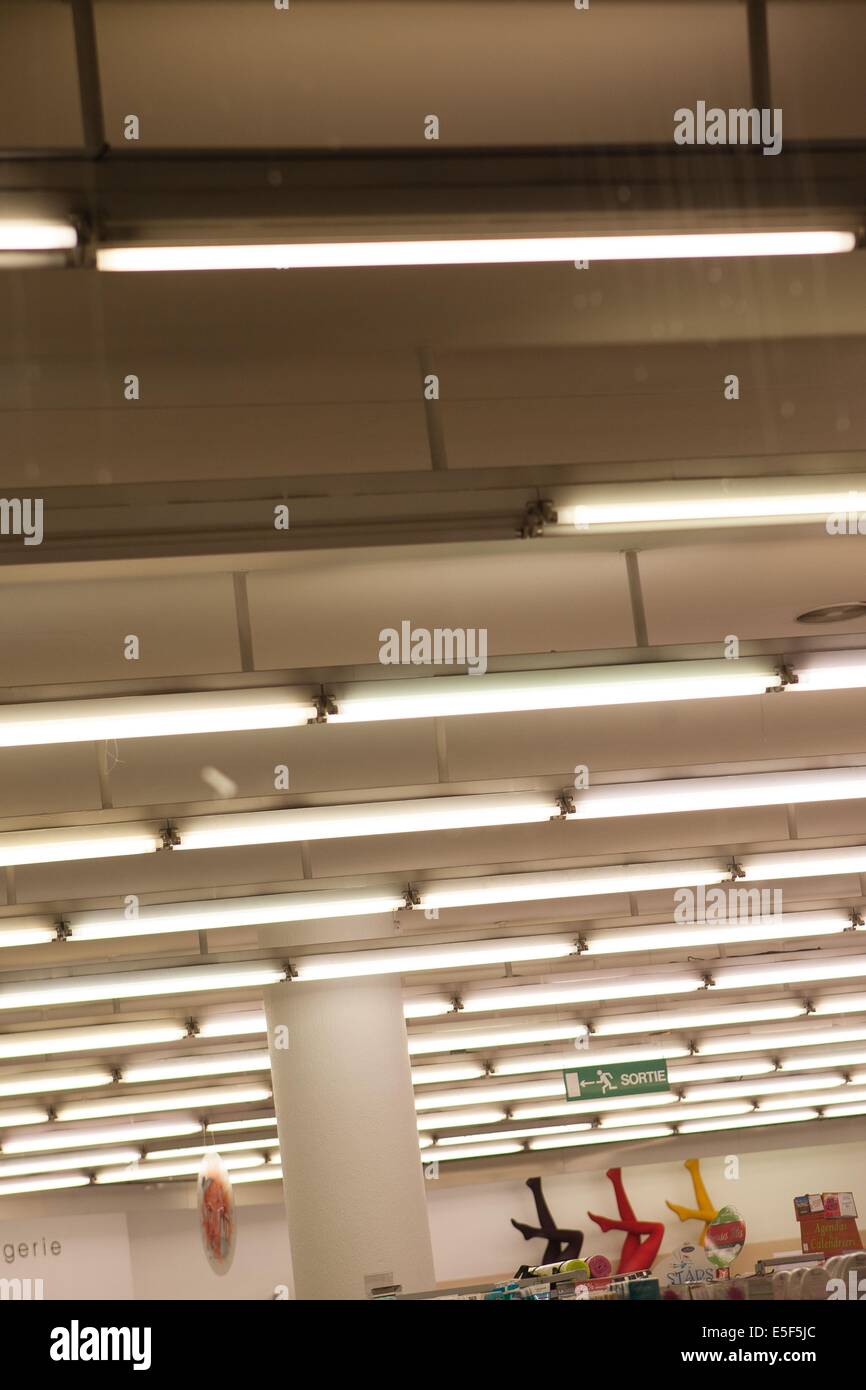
352,1176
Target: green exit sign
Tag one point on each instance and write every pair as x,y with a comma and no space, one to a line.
616,1079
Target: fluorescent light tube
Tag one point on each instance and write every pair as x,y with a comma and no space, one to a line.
664,1047
267,1174
231,1026
59,1137
585,687
195,1066
109,1035
838,1112
155,1172
213,915
342,965
496,1135
473,251
749,1121
714,1071
617,1103
711,501
151,716
193,1150
454,1071
447,1119
766,1042
257,1122
145,1105
695,1018
790,973
570,883
45,1083
20,1185
39,994
829,670
682,1112
530,997
37,234
803,1062
27,931
470,1151
667,937
597,1136
767,1086
65,845
848,1093
372,818
840,1004
99,1158
482,1095
694,794
444,1040
32,1116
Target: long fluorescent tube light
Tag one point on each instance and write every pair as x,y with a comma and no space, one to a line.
341,965
766,1086
806,1036
749,1121
446,1141
464,1039
59,1137
65,845
450,1119
39,994
471,1151
47,1082
104,925
193,1067
147,1105
710,501
155,1172
682,1112
21,1185
256,1122
193,1150
671,936
851,1057
436,813
109,1035
454,1071
475,251
232,1025
480,1095
99,1158
151,716
144,716
372,818
849,1094
597,1136
270,1173
27,931
37,234
10,1118
430,697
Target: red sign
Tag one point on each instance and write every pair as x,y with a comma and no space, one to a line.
829,1234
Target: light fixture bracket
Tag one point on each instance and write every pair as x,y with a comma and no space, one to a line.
169,836
411,898
736,871
786,677
565,804
325,705
536,516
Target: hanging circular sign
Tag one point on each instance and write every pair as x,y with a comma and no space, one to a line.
216,1212
725,1238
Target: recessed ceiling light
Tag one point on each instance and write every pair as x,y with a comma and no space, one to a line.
834,613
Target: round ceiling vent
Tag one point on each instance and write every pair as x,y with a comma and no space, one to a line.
834,613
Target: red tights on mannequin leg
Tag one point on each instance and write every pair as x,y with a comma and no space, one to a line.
636,1253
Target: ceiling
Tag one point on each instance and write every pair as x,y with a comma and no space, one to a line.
308,389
